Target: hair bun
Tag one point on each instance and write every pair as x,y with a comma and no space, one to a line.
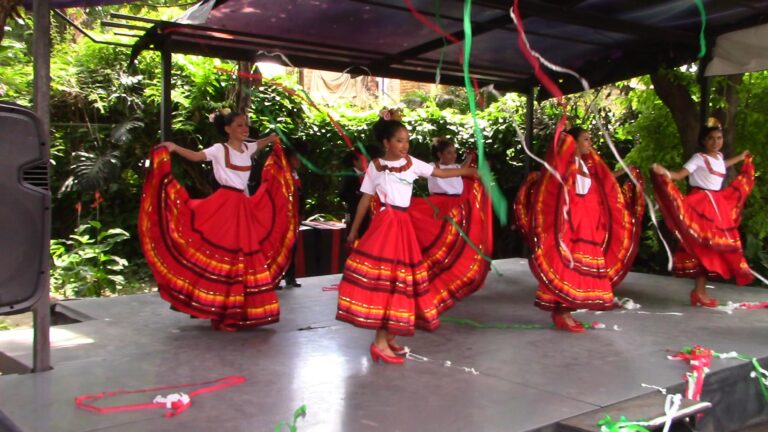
390,114
712,122
221,112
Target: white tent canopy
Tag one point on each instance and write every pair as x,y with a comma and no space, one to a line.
740,51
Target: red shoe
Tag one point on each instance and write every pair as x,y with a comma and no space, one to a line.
218,325
397,349
696,300
377,355
560,323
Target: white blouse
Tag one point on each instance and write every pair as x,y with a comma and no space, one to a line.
706,171
449,186
394,188
230,167
582,183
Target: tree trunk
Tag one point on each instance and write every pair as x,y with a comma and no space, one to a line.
685,111
728,89
246,81
8,9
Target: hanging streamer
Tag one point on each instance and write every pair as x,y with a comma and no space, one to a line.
436,211
364,155
702,38
498,200
535,58
445,44
303,96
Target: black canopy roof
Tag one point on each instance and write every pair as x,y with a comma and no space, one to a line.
603,40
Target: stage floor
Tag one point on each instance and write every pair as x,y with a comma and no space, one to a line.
498,379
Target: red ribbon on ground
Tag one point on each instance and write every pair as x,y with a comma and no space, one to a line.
699,358
175,405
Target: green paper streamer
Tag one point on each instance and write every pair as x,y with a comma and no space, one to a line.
759,377
499,201
299,412
702,39
502,326
621,425
312,167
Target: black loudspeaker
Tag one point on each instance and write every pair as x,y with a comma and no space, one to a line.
25,205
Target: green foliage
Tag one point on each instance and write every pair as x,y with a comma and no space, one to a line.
83,264
105,118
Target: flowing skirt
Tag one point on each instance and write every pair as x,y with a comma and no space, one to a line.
582,245
413,264
458,265
707,225
386,282
221,257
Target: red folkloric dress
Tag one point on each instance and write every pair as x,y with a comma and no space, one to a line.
412,263
582,248
221,257
706,223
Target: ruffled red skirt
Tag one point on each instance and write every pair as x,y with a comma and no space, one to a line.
584,246
386,282
707,225
457,265
412,265
221,257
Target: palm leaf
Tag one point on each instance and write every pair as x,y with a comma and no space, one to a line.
121,133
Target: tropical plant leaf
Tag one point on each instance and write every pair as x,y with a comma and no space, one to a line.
122,134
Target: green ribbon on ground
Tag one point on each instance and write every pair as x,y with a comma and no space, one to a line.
621,425
761,376
759,373
499,201
299,412
503,326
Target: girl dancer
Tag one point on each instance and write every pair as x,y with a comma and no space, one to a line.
221,257
385,286
444,152
706,221
457,266
583,234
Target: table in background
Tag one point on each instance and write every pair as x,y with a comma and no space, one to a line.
321,248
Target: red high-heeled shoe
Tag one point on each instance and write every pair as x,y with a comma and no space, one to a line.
397,349
218,325
562,324
377,355
696,300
